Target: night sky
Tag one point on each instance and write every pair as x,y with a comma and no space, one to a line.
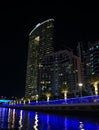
73,22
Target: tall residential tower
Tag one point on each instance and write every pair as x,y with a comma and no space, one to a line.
40,44
92,59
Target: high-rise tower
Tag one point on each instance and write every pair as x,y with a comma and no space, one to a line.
92,59
40,44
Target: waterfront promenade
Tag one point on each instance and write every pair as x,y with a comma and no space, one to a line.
83,105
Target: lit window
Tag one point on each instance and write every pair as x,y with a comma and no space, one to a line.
88,64
97,46
37,38
91,48
60,74
91,58
93,73
49,26
91,55
42,82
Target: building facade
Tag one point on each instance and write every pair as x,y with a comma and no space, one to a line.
47,70
92,59
92,68
40,44
59,68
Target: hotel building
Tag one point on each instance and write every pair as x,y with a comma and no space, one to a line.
40,44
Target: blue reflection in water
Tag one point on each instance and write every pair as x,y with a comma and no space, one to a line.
3,117
27,120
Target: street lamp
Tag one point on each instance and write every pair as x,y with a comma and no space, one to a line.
80,86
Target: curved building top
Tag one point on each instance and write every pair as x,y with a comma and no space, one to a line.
39,24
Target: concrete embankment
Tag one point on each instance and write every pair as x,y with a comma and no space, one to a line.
89,108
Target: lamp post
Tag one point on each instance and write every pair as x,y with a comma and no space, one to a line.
80,87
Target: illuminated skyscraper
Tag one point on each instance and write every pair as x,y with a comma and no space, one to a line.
40,44
92,59
91,68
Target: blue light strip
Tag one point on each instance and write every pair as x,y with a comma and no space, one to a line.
85,99
5,101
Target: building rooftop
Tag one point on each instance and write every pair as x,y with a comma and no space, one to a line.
39,24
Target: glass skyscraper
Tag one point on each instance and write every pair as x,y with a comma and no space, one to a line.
92,59
40,45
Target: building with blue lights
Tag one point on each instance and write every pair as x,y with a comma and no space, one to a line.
91,67
92,59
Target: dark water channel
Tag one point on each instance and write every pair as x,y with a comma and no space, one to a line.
13,119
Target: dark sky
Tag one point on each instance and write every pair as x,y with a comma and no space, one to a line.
73,22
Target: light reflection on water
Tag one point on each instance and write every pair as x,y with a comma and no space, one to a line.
27,120
20,120
35,121
81,126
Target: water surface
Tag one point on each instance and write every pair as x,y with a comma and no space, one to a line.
12,119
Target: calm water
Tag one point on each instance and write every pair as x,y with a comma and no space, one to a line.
27,120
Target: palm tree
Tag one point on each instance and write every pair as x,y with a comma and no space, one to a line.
36,97
64,89
48,95
94,79
23,99
27,99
